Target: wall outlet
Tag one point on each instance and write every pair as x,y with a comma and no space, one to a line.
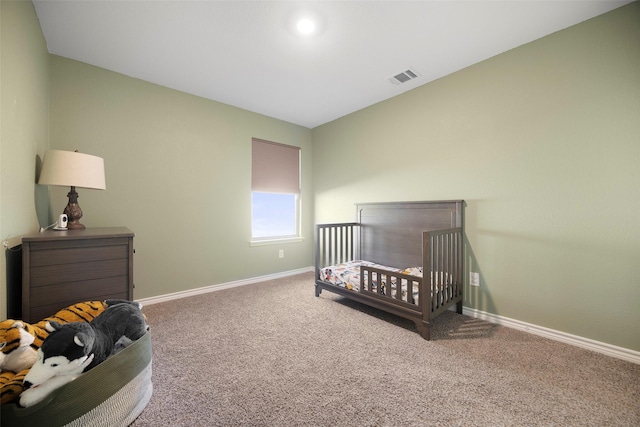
474,279
281,253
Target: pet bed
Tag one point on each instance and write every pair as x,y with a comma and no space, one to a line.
404,258
113,393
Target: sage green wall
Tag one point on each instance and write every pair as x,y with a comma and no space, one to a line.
24,121
178,172
543,143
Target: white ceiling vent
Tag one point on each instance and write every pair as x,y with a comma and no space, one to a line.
404,77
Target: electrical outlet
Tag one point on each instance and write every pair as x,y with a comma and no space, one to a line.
474,279
281,253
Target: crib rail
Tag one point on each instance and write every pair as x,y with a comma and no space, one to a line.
335,244
442,252
396,288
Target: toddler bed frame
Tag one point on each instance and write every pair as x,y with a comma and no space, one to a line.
402,235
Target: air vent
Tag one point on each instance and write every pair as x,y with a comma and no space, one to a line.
404,77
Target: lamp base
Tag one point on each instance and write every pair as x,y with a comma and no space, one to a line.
73,211
75,226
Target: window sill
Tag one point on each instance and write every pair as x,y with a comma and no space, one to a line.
275,241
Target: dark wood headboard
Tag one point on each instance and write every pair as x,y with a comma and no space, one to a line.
391,233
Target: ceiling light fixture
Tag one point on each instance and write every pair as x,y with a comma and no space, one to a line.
306,26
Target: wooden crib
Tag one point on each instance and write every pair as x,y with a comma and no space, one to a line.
389,243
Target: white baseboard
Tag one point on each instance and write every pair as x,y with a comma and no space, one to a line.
221,286
597,346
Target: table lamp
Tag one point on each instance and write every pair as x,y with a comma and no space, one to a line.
73,169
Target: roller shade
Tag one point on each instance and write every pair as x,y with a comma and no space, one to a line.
275,167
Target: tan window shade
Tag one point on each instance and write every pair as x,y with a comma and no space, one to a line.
275,167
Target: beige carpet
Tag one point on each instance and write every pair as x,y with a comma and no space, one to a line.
272,354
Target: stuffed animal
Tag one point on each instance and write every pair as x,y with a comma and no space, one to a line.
17,353
74,348
12,385
20,341
16,357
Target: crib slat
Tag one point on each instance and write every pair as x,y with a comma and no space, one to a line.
335,244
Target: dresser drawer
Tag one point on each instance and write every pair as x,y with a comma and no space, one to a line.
52,274
82,291
40,312
62,254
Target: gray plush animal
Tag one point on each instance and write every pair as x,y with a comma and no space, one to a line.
74,348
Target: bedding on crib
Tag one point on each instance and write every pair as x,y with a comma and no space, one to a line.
347,275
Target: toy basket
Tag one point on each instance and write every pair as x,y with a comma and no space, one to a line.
111,394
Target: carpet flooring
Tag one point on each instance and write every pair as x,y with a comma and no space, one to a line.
272,354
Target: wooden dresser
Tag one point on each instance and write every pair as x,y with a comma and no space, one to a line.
60,268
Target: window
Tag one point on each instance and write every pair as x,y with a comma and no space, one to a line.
275,191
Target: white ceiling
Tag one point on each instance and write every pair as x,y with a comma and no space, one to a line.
247,54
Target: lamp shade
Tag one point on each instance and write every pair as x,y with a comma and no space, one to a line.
72,169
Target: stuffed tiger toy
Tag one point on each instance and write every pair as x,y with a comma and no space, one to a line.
20,341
